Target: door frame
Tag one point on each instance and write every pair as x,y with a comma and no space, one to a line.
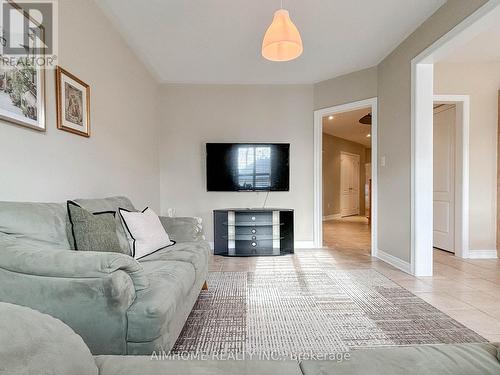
422,97
318,167
461,183
359,180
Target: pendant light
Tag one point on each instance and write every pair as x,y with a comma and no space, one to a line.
282,41
367,120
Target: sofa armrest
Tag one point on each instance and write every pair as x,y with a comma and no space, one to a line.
25,258
94,307
183,229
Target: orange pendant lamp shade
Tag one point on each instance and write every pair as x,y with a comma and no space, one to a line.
282,41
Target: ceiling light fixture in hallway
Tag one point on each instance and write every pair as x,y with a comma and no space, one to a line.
367,120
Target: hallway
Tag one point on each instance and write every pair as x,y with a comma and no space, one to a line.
351,234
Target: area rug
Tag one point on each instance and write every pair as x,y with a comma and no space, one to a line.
296,313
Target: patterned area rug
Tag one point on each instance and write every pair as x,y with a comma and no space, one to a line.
323,312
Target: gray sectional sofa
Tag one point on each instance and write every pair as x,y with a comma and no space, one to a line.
36,343
116,304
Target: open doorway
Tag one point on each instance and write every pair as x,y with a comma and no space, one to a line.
354,125
459,64
347,180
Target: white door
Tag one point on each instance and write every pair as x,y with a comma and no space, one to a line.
444,177
349,184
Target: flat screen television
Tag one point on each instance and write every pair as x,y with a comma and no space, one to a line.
248,166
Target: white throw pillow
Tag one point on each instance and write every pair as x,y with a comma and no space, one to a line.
144,232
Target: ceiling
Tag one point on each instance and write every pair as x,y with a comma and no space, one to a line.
483,48
219,41
346,125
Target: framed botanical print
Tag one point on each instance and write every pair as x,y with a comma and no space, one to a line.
73,103
22,81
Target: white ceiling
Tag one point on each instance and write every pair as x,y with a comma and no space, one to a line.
483,48
219,41
346,125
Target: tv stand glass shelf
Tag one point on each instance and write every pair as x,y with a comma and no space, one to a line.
253,231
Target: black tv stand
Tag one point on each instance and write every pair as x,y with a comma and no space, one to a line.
253,231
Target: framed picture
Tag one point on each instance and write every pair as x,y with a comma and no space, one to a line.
73,103
22,84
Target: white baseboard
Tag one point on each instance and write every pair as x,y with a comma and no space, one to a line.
482,254
304,244
393,261
332,217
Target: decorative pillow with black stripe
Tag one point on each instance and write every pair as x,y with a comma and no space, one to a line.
144,232
93,231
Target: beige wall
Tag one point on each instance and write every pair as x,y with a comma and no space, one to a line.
193,115
481,82
394,126
346,89
332,148
121,157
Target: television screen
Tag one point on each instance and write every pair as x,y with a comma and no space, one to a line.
248,167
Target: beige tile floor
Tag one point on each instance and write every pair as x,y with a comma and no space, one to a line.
467,290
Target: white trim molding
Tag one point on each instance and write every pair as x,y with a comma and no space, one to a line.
318,164
482,254
393,261
421,221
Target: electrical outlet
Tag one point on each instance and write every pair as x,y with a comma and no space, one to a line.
382,161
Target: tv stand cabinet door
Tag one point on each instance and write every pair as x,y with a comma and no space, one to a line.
287,242
220,233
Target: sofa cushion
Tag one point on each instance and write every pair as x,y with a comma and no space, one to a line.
145,234
93,231
463,359
169,284
36,343
158,271
194,253
183,229
42,223
147,365
111,204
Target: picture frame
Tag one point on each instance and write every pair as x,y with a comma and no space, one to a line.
22,86
72,103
